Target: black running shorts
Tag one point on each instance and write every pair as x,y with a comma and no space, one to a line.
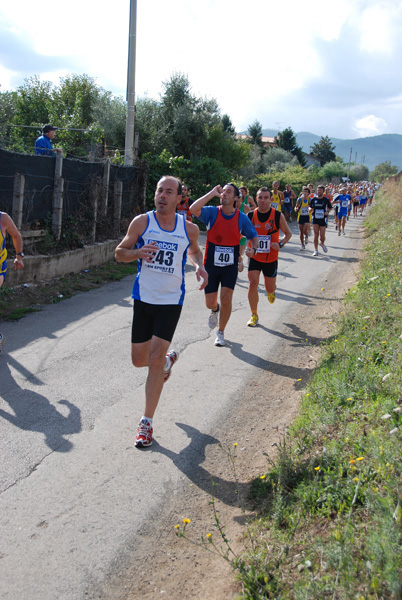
268,269
150,320
225,276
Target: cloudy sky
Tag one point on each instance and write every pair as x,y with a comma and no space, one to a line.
331,67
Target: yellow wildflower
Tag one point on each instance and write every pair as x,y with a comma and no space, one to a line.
360,458
186,521
235,444
352,462
355,479
177,526
317,468
209,535
262,476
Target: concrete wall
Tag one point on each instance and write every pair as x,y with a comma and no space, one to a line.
42,268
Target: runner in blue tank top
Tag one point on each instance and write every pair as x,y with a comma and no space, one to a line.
160,242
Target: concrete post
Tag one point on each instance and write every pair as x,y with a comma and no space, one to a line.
18,199
105,190
57,216
118,194
94,203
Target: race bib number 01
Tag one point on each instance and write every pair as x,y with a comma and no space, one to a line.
319,213
264,244
304,211
223,256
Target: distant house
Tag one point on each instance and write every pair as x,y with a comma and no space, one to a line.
268,142
311,161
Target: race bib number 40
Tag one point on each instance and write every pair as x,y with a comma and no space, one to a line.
223,256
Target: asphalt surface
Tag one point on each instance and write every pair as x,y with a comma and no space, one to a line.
75,494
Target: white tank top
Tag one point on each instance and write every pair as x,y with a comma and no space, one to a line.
162,281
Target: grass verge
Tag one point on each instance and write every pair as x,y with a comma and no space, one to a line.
330,506
16,302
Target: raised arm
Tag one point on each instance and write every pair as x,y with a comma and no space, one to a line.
199,204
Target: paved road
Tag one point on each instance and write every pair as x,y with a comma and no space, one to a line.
74,492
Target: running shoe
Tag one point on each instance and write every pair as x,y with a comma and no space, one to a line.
241,265
343,232
144,434
253,320
315,253
213,318
302,247
271,298
173,357
324,248
336,227
220,339
339,232
305,240
2,339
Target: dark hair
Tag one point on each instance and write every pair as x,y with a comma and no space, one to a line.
263,189
179,183
236,189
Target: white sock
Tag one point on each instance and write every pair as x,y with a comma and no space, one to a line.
147,419
167,364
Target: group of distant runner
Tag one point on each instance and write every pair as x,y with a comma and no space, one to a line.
162,239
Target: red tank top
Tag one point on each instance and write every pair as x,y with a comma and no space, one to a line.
266,230
224,232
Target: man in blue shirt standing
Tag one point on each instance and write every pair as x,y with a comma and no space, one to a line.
43,144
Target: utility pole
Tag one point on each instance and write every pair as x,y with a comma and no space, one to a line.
130,97
350,158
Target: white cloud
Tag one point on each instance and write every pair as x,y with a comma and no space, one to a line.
370,125
378,26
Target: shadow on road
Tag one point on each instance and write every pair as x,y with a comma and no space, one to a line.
287,371
189,461
31,411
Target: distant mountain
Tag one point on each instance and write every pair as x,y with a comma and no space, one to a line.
371,150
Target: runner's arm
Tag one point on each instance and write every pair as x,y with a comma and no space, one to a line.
125,251
11,229
284,227
195,255
198,205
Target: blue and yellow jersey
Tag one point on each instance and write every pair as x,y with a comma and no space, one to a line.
3,251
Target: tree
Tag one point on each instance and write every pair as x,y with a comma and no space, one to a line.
359,173
333,169
255,134
286,140
383,171
324,150
186,119
7,110
227,125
